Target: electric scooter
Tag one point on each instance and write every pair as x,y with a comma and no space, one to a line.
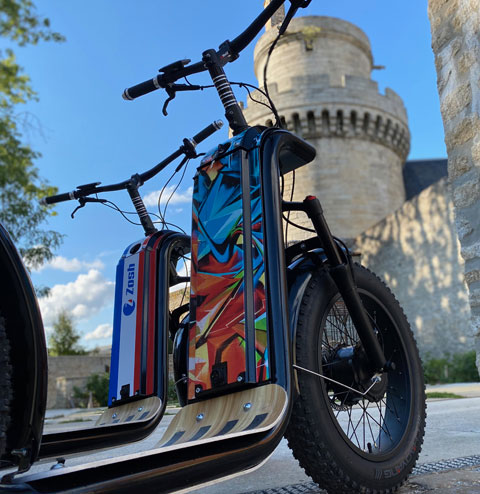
296,341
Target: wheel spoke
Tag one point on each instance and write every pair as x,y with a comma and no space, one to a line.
366,422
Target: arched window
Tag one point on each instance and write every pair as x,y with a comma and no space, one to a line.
366,122
297,125
340,123
311,122
353,120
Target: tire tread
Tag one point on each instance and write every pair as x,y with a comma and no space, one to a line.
5,386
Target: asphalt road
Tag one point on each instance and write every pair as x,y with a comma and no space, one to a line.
453,431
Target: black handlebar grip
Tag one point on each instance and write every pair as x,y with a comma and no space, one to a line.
207,132
143,88
67,196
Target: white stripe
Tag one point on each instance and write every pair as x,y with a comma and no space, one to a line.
128,325
221,76
225,84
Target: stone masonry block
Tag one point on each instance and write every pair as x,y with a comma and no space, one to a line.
467,194
474,298
464,227
471,251
465,131
472,276
458,166
442,13
476,151
465,61
456,101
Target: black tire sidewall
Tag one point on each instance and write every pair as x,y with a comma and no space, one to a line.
5,386
397,464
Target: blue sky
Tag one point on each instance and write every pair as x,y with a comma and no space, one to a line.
88,133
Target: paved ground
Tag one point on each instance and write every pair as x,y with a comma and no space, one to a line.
451,452
453,431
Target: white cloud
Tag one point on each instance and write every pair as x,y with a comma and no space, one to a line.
102,331
71,265
81,298
151,199
182,270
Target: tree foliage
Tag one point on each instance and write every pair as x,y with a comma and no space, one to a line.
64,338
20,184
98,385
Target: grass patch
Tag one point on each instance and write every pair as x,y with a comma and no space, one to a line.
457,368
172,398
73,420
441,394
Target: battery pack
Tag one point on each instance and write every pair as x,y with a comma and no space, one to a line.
228,340
134,344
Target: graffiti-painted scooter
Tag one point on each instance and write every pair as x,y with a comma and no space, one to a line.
275,341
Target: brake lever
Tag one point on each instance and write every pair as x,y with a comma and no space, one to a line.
172,92
83,201
171,95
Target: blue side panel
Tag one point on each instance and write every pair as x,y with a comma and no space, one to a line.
117,314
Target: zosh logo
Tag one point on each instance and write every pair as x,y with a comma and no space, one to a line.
129,305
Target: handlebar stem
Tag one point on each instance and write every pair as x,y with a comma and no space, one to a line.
233,112
140,208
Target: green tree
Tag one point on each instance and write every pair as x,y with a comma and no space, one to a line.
21,187
64,338
98,385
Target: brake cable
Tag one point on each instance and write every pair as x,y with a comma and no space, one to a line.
374,380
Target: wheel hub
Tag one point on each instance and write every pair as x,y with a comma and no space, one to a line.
349,366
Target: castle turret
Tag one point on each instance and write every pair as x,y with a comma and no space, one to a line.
319,78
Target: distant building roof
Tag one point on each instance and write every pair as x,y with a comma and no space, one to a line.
420,174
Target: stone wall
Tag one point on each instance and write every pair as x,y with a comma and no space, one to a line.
417,253
68,371
456,43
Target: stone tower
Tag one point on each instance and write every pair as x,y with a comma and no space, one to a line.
319,78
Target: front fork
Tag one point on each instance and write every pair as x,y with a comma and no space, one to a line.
343,277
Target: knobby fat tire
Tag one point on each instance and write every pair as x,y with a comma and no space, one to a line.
5,386
326,455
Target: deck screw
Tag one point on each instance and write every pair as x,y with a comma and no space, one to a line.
114,416
247,406
140,409
200,417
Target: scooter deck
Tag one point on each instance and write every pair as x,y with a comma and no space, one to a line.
253,413
251,410
136,411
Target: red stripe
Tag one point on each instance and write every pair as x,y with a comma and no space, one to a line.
138,329
151,322
152,297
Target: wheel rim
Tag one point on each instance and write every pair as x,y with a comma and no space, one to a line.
372,428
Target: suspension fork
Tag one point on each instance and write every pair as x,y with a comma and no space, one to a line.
343,277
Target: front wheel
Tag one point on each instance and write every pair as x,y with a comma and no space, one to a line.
353,431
